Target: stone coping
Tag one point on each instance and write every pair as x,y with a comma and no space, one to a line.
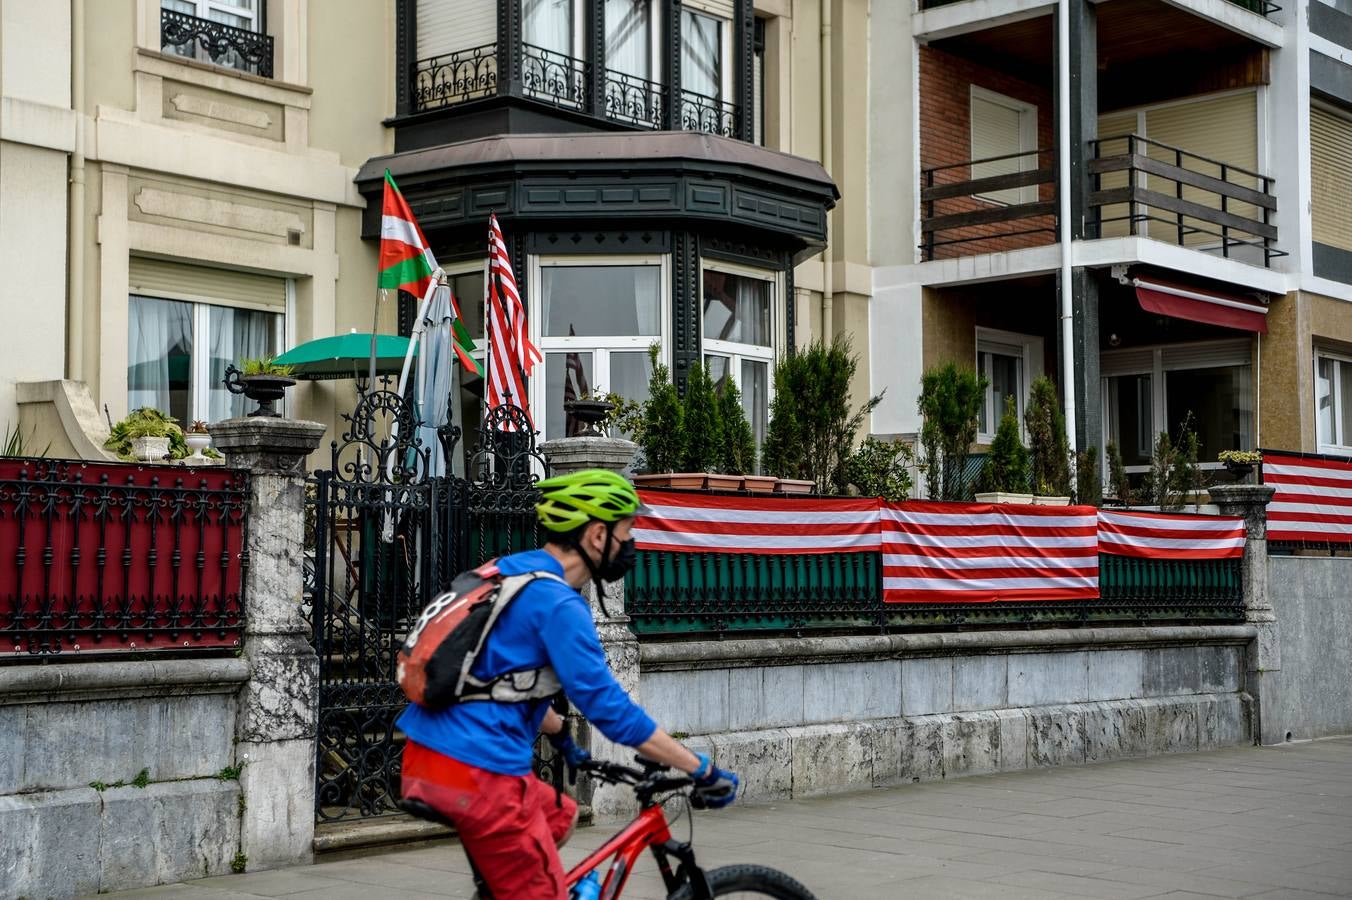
131,679
791,651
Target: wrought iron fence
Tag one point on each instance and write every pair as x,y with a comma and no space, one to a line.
672,593
635,100
216,43
554,77
700,112
104,557
453,78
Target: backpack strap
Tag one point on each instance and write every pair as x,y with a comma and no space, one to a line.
521,685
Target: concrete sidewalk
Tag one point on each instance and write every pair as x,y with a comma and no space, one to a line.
1269,822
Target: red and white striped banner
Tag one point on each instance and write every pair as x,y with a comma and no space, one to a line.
978,553
1313,500
1156,535
701,522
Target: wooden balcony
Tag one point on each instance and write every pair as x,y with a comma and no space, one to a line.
987,205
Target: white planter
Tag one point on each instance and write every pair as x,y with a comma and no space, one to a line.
1039,500
150,449
197,442
1002,497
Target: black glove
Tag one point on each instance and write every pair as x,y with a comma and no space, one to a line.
714,788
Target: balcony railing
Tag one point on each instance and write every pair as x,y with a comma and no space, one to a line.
1143,187
1261,7
566,82
997,200
216,43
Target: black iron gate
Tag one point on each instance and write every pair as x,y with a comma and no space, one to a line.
383,539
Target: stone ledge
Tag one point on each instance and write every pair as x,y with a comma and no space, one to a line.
66,682
339,837
670,656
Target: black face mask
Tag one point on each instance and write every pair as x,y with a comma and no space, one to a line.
618,565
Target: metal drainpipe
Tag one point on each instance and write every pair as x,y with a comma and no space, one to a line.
828,294
76,250
1063,208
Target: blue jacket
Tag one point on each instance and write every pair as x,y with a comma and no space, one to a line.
548,623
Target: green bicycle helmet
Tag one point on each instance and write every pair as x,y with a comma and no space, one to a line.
570,501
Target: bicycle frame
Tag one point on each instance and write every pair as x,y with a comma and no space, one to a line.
648,831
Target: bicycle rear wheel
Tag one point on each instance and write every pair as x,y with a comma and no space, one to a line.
750,881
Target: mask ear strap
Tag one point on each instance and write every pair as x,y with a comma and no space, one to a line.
595,569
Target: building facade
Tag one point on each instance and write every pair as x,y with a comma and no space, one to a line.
1204,197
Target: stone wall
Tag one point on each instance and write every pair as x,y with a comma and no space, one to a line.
806,716
1310,695
115,775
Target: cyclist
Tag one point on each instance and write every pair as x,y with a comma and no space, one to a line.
471,763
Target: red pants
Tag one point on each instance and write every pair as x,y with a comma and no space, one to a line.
510,825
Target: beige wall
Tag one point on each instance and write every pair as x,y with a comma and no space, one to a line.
1296,324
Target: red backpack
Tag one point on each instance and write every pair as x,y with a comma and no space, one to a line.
436,658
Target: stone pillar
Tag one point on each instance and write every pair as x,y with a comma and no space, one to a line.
1265,656
279,705
608,802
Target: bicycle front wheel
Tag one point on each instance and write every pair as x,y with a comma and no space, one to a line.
750,881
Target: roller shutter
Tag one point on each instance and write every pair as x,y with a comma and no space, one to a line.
448,26
203,284
1331,177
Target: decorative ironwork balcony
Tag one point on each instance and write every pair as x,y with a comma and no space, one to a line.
700,112
216,43
1184,199
635,100
959,209
455,78
554,77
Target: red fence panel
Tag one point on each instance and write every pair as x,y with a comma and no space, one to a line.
101,557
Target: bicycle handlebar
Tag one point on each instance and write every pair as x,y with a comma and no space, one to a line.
646,782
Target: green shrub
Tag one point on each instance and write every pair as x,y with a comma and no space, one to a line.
1118,482
703,425
1088,487
1006,467
879,469
1174,472
1048,447
950,403
663,434
739,443
146,422
263,365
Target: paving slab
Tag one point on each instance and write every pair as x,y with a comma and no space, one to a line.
1246,823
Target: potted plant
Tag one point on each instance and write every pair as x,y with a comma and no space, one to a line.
147,435
950,404
1004,478
1174,477
197,438
704,445
880,469
591,412
1240,463
662,435
262,381
1048,446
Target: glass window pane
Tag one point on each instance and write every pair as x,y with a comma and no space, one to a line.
1004,373
1345,404
1221,402
630,374
628,31
1323,399
236,335
601,301
567,376
756,396
737,308
720,368
159,356
469,296
548,24
701,54
1131,418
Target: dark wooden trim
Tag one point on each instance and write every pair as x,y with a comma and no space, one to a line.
790,306
671,64
989,216
685,306
509,48
1210,183
596,96
405,53
1187,208
987,185
744,73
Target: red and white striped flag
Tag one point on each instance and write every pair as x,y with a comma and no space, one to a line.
512,356
704,523
977,553
1313,501
1156,535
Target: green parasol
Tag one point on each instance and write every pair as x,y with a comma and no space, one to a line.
345,356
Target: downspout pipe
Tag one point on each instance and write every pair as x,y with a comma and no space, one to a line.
828,293
1063,192
75,268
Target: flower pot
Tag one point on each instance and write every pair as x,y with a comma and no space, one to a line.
197,442
1239,470
265,390
1003,497
687,480
717,482
655,480
590,413
150,449
1043,500
759,484
794,486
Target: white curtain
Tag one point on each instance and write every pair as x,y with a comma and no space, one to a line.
156,328
628,24
701,54
647,300
236,334
548,24
753,326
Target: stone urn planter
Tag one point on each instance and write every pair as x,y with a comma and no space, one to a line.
590,413
265,390
197,441
150,449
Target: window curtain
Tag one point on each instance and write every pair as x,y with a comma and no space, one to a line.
236,334
549,24
628,25
701,52
753,312
159,353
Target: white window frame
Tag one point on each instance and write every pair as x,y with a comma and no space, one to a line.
469,267
654,43
1027,144
735,350
725,43
1340,442
204,8
1197,355
601,347
1029,349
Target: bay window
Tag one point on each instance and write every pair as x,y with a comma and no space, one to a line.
595,320
739,336
1333,401
632,78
